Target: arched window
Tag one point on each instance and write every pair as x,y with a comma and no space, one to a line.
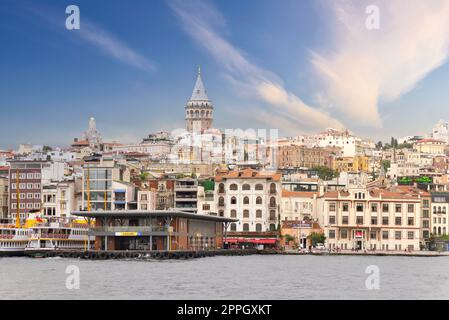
245,200
233,200
246,187
197,114
259,200
246,214
221,202
273,188
258,227
272,227
272,215
233,214
245,227
272,202
233,227
202,113
434,229
434,209
444,209
233,187
439,230
259,187
221,213
258,213
221,188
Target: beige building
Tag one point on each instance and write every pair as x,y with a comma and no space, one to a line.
430,146
371,219
298,205
4,195
440,211
294,156
251,196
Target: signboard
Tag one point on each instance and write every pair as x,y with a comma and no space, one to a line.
128,234
358,234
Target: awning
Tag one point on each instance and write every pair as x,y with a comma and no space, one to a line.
255,241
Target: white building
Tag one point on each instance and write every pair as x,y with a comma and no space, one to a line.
206,202
298,205
251,196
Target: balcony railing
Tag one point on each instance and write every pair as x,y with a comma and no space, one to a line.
130,229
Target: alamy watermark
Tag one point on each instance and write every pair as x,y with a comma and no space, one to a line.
372,282
73,21
72,282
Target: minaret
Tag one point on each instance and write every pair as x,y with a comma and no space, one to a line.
199,109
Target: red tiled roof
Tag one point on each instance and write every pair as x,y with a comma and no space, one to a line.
299,194
248,174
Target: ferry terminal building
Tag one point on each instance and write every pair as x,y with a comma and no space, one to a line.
166,230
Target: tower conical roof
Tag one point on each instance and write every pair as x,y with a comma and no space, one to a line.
199,92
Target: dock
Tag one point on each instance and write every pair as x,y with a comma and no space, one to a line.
143,255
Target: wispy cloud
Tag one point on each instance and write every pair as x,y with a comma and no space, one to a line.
202,22
96,36
112,46
368,67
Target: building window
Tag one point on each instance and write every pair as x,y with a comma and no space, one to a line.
233,200
246,187
410,208
373,235
398,208
221,188
425,213
385,221
384,235
233,187
221,202
246,214
272,202
331,234
259,187
258,213
425,224
344,234
206,206
359,207
245,200
345,219
272,215
331,219
233,214
259,200
359,220
385,207
345,207
374,207
246,227
273,188
410,221
373,220
258,227
410,235
233,227
332,207
398,221
397,235
144,197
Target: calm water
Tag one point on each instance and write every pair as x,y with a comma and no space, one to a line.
242,277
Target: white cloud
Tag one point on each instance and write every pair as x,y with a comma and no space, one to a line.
367,67
200,20
113,47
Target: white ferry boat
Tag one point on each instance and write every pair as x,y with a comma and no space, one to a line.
13,240
59,235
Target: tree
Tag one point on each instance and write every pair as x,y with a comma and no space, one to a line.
386,164
46,149
143,176
316,237
325,173
379,145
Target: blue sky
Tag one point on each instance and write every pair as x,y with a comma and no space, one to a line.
299,66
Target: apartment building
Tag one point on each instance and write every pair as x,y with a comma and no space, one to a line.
25,185
185,192
439,215
351,164
298,205
374,219
251,196
295,156
164,187
146,199
4,195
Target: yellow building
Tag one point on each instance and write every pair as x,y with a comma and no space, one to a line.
351,164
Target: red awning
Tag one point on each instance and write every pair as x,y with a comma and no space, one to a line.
256,241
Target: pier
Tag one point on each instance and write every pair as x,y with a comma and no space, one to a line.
144,255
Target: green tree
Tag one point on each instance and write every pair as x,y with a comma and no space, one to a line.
379,145
316,237
386,164
325,173
46,149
